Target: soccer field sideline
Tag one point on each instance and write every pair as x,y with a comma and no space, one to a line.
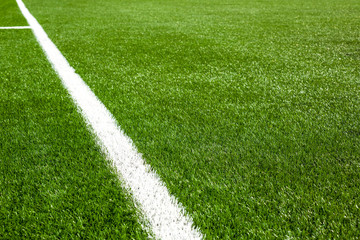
168,220
247,113
16,27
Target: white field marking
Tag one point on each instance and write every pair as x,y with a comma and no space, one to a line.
167,218
16,27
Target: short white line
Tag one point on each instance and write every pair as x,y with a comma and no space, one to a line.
16,27
167,218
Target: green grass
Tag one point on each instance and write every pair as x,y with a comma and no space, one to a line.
54,182
248,110
10,14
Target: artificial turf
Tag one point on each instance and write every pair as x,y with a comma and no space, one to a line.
248,110
10,14
54,181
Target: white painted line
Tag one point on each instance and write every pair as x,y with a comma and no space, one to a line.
167,218
16,27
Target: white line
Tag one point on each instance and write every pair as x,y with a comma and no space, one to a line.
167,218
16,27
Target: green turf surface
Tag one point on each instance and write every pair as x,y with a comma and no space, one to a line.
54,182
248,110
10,14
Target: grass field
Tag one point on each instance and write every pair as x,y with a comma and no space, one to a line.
249,111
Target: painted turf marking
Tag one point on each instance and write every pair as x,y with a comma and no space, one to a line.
16,27
167,218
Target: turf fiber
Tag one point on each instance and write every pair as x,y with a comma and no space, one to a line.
54,181
248,110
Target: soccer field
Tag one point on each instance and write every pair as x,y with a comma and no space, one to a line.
248,111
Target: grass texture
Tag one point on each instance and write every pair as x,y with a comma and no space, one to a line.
10,14
54,182
248,110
